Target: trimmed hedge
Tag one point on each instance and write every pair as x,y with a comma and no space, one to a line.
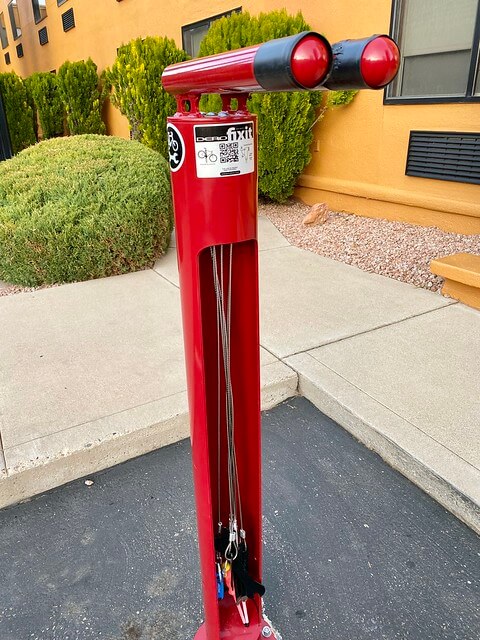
137,90
78,86
82,207
285,120
32,105
46,97
18,111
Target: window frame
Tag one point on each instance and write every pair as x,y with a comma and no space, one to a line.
473,73
33,9
17,35
4,46
206,21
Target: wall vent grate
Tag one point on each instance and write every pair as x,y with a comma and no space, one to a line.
68,20
444,155
43,36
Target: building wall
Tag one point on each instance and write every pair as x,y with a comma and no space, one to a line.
360,165
360,162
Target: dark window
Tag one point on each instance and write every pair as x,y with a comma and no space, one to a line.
39,10
60,2
43,36
444,155
3,31
20,50
439,43
193,34
7,58
14,19
68,20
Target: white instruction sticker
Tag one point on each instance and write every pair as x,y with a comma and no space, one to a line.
223,150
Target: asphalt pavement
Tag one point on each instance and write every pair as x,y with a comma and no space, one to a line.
353,550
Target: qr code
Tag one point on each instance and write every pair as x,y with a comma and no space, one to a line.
229,152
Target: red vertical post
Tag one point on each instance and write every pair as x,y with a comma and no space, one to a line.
215,200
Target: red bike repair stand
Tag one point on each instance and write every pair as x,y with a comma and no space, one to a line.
214,210
213,160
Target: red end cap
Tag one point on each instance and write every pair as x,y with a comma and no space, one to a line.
380,62
310,62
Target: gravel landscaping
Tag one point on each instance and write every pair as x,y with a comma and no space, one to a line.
394,249
9,289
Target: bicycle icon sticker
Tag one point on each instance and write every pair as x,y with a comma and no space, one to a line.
208,156
176,148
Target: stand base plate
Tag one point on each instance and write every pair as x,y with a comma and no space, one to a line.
253,632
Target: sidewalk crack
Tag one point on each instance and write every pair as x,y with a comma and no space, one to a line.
361,333
165,278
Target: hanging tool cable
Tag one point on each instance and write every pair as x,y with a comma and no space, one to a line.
230,543
223,295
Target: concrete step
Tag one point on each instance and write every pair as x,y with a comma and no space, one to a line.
461,272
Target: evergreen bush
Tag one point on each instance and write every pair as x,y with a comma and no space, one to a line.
82,207
285,120
48,103
339,98
78,86
18,111
31,103
137,90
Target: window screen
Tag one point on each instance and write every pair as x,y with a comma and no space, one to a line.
39,10
436,39
193,34
14,19
3,31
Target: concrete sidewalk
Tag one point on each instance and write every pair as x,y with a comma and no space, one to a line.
92,374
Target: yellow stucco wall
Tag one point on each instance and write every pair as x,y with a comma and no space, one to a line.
360,165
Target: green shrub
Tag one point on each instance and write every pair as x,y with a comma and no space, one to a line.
78,85
285,120
82,207
31,103
137,90
46,96
18,111
340,98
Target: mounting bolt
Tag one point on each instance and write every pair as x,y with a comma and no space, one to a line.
266,632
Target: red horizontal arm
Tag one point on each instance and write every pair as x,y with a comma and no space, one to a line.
297,62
